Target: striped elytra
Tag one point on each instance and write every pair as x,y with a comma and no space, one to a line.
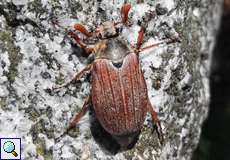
119,95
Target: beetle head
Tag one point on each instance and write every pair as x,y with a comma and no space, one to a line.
107,30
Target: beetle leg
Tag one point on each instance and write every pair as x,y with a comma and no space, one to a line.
73,35
77,117
88,50
166,41
140,38
80,114
84,31
156,122
125,12
76,77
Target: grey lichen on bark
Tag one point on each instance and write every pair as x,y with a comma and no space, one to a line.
35,55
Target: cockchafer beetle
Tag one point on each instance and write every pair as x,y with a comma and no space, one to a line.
118,93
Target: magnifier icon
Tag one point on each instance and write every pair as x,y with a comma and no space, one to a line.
9,147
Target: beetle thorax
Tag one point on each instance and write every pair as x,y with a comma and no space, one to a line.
113,49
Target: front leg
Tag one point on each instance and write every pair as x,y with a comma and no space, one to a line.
125,13
75,36
82,45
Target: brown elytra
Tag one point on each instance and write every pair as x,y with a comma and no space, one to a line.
119,95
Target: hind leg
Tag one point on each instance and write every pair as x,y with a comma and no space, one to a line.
80,114
156,122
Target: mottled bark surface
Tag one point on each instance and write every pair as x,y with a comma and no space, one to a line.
35,55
